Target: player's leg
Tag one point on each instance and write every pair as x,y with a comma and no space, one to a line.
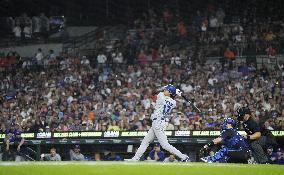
258,151
149,137
238,156
158,127
220,156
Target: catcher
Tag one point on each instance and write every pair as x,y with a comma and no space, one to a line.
233,145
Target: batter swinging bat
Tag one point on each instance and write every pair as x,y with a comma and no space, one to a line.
187,100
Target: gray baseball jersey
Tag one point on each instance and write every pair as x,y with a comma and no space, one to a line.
77,157
163,107
52,158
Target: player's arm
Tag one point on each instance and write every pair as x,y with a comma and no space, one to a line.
156,156
20,144
45,157
58,157
256,133
213,142
82,157
254,136
7,144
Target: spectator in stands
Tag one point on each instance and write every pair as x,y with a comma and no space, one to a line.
280,156
29,127
271,54
75,154
272,156
213,22
53,156
118,58
229,57
181,29
85,61
170,126
111,156
101,59
97,157
204,27
270,36
142,60
13,144
176,60
40,123
39,56
2,128
27,32
62,126
17,32
51,55
156,154
176,120
184,125
171,158
113,126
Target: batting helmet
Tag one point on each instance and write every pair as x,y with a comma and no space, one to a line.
171,89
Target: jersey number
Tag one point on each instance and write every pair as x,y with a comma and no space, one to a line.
167,107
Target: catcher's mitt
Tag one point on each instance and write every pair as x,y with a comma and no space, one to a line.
203,152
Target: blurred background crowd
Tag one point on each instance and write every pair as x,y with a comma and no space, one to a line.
71,94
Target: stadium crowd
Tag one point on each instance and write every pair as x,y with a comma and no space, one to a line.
73,94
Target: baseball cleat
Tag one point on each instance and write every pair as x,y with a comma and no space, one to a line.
206,159
186,160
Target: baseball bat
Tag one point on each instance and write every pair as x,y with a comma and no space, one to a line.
187,100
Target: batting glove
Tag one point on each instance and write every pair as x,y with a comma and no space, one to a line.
178,92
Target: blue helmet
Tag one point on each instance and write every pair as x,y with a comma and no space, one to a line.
229,120
171,89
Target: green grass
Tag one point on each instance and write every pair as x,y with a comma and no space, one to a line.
134,168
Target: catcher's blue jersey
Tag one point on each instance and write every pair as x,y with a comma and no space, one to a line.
232,139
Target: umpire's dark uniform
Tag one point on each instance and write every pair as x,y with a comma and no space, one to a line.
251,126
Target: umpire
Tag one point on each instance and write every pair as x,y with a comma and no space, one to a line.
254,136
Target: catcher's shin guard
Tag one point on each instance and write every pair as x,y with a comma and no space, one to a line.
220,155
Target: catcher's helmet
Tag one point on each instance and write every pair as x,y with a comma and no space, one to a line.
229,120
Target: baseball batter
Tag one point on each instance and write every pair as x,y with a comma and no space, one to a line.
164,105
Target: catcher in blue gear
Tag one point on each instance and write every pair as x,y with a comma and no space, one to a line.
233,145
